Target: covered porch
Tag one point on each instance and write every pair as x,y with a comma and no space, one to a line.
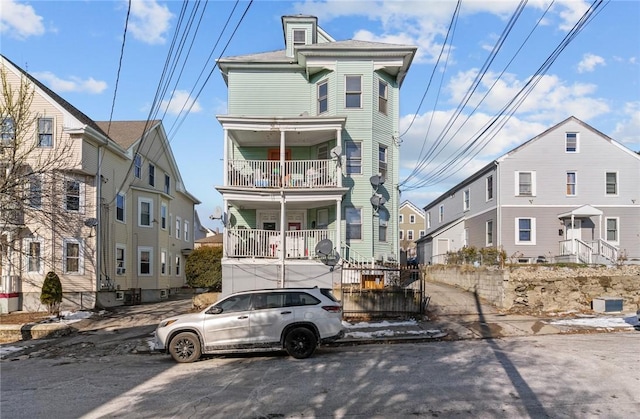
578,249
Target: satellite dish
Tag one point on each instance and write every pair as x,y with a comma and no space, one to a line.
324,247
91,222
336,151
376,180
377,200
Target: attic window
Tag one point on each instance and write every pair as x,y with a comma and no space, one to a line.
299,37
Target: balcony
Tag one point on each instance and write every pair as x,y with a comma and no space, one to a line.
300,244
297,174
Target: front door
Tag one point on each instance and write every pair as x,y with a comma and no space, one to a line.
295,242
575,231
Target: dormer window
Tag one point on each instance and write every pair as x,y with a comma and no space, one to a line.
299,37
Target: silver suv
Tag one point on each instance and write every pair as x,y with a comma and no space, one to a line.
293,319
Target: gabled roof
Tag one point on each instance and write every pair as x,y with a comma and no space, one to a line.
127,133
75,112
583,211
414,207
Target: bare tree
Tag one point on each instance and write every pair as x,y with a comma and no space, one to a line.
35,182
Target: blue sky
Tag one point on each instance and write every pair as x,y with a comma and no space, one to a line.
74,48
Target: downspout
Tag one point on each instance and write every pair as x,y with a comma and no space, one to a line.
498,194
283,216
99,220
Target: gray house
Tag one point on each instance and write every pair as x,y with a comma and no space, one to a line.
570,194
310,158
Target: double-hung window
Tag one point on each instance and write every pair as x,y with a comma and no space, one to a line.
466,198
410,235
489,188
34,256
152,175
145,209
120,259
163,262
72,257
7,133
383,89
383,223
382,161
145,261
429,220
353,92
440,213
72,195
354,158
525,231
35,190
163,216
167,183
525,183
186,231
489,233
353,217
571,142
178,259
323,97
611,187
120,207
612,229
299,37
178,223
45,132
137,166
571,183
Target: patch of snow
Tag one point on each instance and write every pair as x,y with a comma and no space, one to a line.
74,316
600,322
7,350
383,323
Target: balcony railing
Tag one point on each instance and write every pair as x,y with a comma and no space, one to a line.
300,244
296,174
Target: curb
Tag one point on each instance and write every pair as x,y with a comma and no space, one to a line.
30,331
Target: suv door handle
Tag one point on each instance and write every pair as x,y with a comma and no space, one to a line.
285,312
243,317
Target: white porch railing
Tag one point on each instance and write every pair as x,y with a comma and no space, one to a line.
607,250
300,244
297,174
585,251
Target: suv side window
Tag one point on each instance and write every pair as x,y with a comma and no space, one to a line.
235,303
300,299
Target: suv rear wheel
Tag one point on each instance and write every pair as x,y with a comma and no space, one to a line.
185,347
300,343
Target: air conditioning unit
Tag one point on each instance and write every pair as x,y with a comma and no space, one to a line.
164,294
119,295
120,271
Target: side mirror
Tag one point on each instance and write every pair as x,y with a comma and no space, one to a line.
214,310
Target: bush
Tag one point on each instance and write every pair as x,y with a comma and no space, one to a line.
51,294
203,268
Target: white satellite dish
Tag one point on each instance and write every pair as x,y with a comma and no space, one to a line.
336,151
217,214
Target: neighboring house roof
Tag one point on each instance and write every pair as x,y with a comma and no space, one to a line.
497,161
126,133
215,239
413,207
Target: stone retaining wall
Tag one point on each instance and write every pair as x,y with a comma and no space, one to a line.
543,288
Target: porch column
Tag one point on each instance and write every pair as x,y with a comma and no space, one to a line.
225,160
573,239
339,168
225,223
283,155
339,225
283,239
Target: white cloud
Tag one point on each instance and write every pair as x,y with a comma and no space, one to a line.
589,63
180,102
627,131
20,20
149,21
73,84
571,12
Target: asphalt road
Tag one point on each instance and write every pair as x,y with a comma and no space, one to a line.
557,376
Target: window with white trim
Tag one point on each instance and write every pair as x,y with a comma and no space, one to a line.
489,233
120,207
167,183
421,233
73,195
169,264
121,252
612,229
353,92
571,183
72,257
163,262
525,230
383,223
152,175
383,88
299,37
400,218
410,235
145,261
45,132
401,234
382,161
465,237
35,190
323,97
489,188
178,224
412,219
145,209
429,220
137,166
466,199
353,217
611,183
186,231
525,183
354,158
440,213
34,255
170,224
178,259
571,142
7,132
163,216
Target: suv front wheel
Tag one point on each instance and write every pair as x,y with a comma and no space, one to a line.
185,347
300,343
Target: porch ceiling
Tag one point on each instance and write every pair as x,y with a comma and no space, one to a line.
299,199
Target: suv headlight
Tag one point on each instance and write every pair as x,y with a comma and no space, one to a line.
166,323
